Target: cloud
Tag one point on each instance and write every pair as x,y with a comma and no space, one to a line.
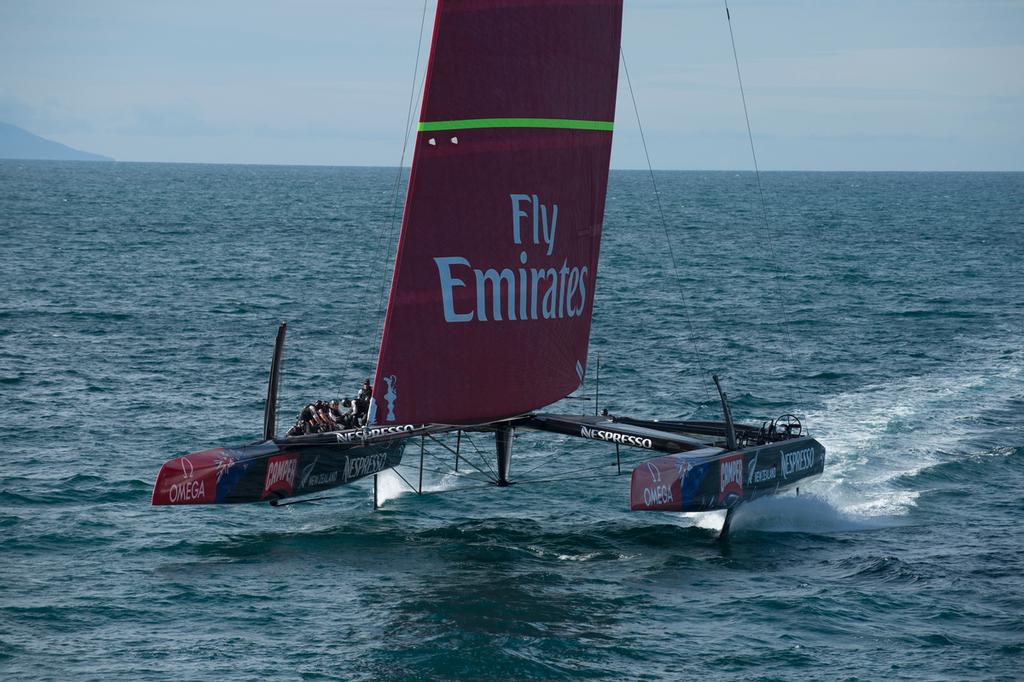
43,118
172,119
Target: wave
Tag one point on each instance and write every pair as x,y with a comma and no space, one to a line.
882,435
939,313
75,489
804,514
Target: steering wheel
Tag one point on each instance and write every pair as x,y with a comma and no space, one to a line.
790,425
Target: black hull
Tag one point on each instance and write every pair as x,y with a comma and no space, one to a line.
712,479
273,470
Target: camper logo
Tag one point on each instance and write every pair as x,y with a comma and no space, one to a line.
280,480
730,489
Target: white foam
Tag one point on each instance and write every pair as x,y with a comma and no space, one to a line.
576,557
390,485
803,513
885,431
710,521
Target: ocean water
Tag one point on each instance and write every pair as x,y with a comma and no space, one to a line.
137,318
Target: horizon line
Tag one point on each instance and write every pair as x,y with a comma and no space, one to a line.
613,168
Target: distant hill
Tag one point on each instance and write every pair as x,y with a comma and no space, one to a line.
16,143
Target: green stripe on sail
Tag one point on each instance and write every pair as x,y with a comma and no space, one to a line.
569,123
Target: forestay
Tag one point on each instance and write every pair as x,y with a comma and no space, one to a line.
490,304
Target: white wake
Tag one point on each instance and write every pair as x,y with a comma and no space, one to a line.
882,433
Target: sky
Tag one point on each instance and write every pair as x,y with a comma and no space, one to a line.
830,84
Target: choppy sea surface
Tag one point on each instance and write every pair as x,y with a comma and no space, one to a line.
138,309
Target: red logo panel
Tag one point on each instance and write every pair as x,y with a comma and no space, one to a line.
188,480
280,480
730,478
654,486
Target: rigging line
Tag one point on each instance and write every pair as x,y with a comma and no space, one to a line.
664,227
532,469
483,459
398,181
568,478
491,474
429,458
483,473
623,460
386,236
279,503
442,444
568,474
445,472
576,471
481,455
435,456
399,473
456,490
626,462
460,456
491,485
760,191
539,481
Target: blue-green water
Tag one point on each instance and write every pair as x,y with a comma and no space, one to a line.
137,317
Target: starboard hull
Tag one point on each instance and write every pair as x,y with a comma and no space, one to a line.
712,478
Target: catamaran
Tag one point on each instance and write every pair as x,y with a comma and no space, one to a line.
489,313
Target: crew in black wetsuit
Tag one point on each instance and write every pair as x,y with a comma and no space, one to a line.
327,422
362,401
307,418
349,407
335,413
366,392
343,414
311,419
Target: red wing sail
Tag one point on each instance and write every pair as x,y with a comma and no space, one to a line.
490,305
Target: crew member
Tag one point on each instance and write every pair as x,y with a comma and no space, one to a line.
335,413
366,392
307,418
312,418
362,401
348,414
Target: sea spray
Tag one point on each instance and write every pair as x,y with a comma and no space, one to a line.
804,514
